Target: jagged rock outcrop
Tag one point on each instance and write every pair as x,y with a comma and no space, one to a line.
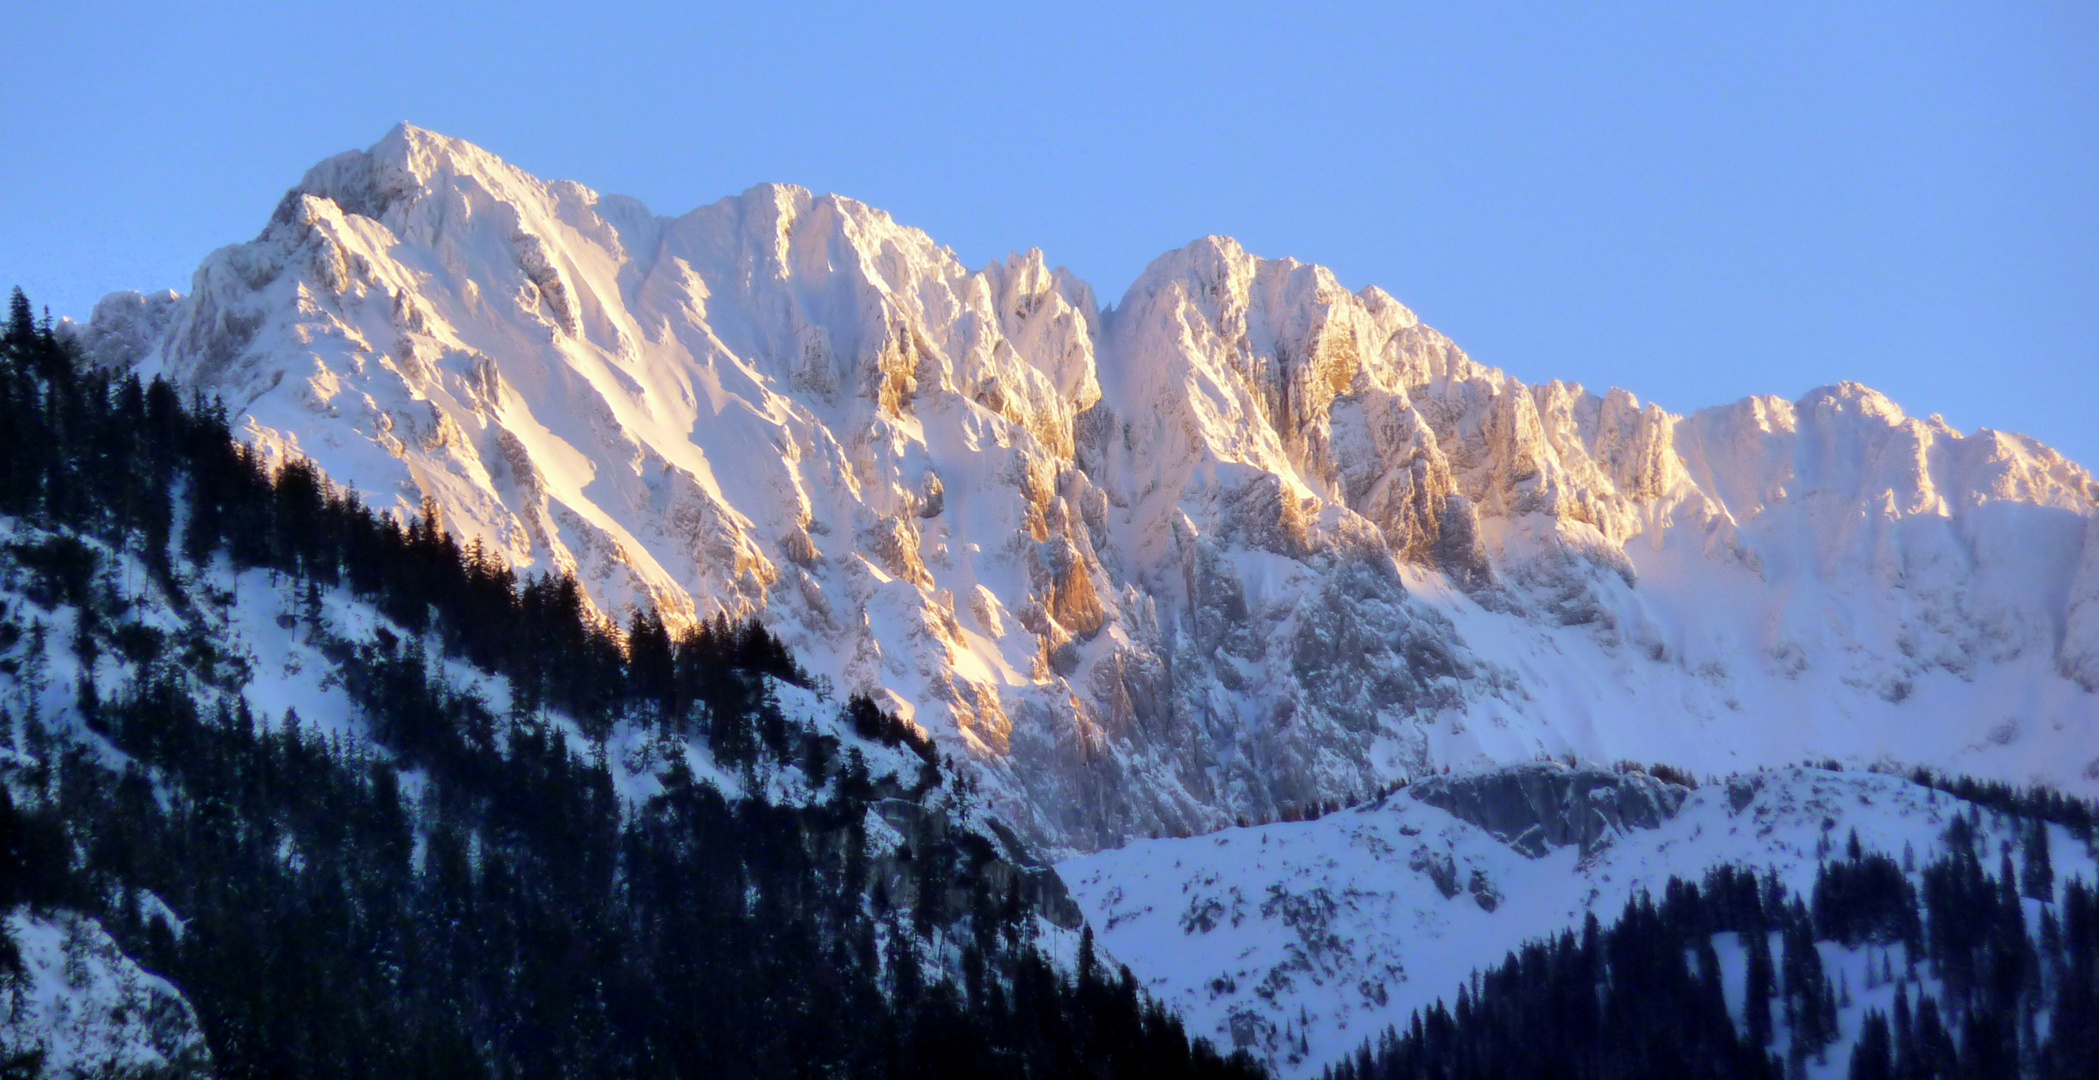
1244,541
1544,805
1008,866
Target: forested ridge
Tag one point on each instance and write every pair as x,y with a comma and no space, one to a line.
461,891
1982,988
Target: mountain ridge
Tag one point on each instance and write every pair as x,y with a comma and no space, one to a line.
1242,541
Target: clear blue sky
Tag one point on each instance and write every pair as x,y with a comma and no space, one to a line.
1692,203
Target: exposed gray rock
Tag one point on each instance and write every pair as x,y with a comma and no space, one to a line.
1003,860
1483,891
1544,805
1440,868
1459,551
1250,1029
1741,791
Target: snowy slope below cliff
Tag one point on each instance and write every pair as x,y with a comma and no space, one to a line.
1298,941
1244,541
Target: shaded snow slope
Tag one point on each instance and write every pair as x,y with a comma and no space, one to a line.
1298,941
88,1009
1244,541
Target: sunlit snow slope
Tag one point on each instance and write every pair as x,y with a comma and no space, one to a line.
1243,541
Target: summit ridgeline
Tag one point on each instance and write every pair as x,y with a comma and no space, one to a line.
1244,541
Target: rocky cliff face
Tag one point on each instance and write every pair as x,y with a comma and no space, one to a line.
1539,807
2080,648
1245,541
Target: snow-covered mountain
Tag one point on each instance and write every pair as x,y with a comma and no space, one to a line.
1241,542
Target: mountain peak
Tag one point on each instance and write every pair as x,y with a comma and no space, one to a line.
1849,396
427,153
407,164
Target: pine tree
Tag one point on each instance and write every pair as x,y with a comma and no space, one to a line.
1872,1058
21,334
2038,881
1935,1055
1905,1051
1808,1002
1761,986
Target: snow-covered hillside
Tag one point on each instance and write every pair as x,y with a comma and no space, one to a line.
1300,940
1244,541
88,1009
